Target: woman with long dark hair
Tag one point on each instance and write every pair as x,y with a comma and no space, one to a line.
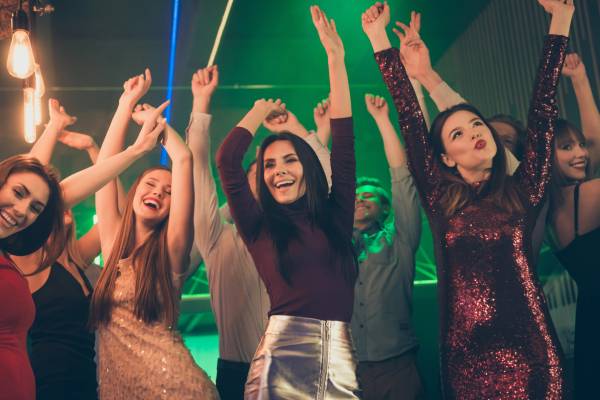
574,221
300,239
31,210
497,341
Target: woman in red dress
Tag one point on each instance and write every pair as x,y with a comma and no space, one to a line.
31,209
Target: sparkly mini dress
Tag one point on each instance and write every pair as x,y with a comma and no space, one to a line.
496,339
137,360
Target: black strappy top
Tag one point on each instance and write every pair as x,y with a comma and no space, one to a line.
580,256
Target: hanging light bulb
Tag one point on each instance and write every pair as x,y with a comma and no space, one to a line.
40,89
20,62
40,86
29,114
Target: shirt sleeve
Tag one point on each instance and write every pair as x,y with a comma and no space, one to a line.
406,206
533,174
207,222
242,204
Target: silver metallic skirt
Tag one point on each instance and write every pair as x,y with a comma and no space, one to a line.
303,358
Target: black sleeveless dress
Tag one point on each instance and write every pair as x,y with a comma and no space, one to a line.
61,346
581,260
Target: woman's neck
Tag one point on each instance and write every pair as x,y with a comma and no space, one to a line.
475,176
142,232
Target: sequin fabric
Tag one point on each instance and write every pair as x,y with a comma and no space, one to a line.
496,338
144,361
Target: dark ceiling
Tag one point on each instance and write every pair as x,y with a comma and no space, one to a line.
88,48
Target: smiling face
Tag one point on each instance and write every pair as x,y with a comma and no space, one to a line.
23,197
283,172
572,157
368,205
468,142
152,199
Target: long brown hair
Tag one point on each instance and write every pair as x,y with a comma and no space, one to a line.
499,189
155,294
72,247
563,130
49,221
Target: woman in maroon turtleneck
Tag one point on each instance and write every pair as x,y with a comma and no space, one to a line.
300,239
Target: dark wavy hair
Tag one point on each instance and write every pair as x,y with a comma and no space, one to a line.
48,222
500,189
281,227
519,129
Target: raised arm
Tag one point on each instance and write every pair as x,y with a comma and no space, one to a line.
82,184
106,202
422,163
288,122
533,174
207,221
588,110
343,163
180,229
181,211
85,142
43,148
242,204
394,151
322,121
89,243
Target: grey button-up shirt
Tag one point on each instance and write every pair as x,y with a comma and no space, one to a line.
381,322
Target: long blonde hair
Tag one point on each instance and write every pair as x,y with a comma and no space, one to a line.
155,294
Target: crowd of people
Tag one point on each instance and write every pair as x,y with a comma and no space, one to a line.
310,267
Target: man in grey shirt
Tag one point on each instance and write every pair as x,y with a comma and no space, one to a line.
381,323
238,297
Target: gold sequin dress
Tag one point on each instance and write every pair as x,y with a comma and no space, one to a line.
137,360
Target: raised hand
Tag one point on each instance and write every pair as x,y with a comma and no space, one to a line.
375,19
377,106
59,118
331,41
204,83
321,115
76,140
410,33
573,66
281,121
135,88
558,6
266,107
562,15
141,113
153,126
413,51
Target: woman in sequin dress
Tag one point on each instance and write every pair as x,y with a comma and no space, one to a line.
496,338
146,248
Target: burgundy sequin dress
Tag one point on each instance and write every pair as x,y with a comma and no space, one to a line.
496,339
